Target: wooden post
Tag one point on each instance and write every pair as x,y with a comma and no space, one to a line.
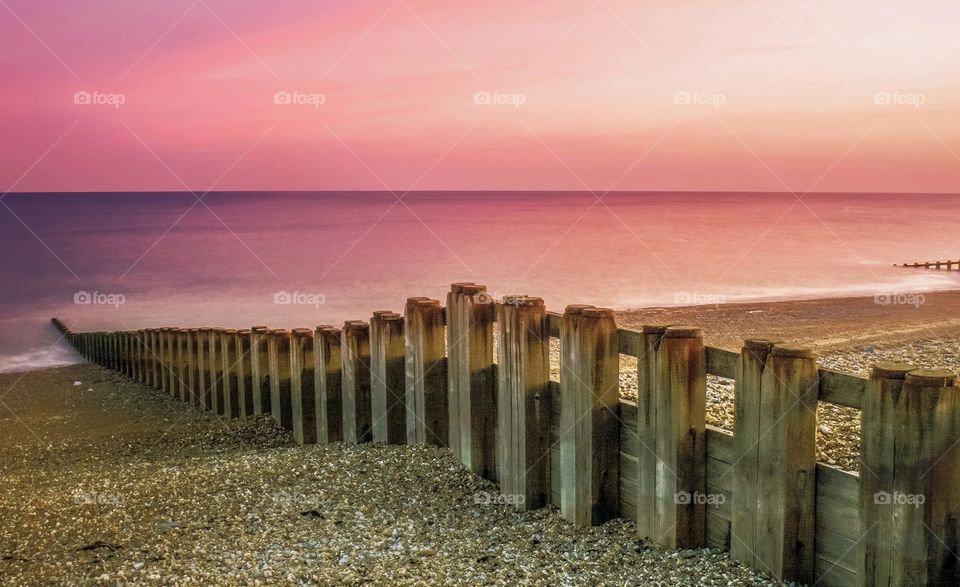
279,347
388,378
749,435
355,352
786,471
523,401
154,358
260,369
301,386
140,373
215,371
328,366
426,373
183,367
909,502
244,373
163,359
190,364
230,385
647,381
472,379
589,416
203,369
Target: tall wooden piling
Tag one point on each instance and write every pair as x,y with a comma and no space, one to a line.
357,409
648,379
328,398
472,397
163,354
523,401
182,376
302,399
154,359
589,416
231,385
215,370
203,369
786,473
279,355
260,369
244,373
749,435
190,365
428,419
388,378
909,503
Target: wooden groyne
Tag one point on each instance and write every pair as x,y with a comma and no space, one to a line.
475,376
948,265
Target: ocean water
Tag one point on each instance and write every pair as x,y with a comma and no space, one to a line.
131,260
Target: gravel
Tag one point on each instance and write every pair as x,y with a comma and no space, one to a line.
109,483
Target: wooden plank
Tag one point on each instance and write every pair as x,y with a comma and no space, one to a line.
203,378
302,408
230,384
631,341
910,506
829,574
750,431
215,371
786,480
279,354
245,374
554,320
428,420
471,380
355,353
589,418
722,363
260,369
681,382
647,436
841,388
523,402
328,394
387,385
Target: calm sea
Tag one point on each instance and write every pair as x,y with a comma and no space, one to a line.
132,260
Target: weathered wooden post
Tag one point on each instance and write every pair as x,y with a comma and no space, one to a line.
328,398
749,434
589,416
135,355
279,354
190,365
215,370
472,379
165,360
182,375
203,369
260,369
523,401
231,385
357,409
301,386
388,378
909,501
428,420
786,462
244,373
647,382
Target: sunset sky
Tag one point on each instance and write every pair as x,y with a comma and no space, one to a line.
599,95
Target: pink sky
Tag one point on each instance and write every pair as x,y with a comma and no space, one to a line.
792,95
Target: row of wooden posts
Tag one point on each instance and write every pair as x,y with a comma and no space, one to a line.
446,376
948,265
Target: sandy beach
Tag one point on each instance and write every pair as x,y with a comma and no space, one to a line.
108,482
